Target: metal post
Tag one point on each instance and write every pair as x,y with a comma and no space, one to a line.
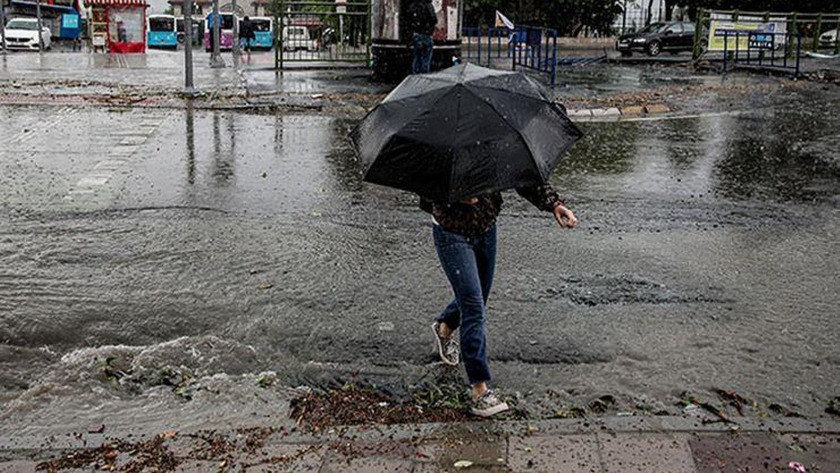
489,46
369,31
215,58
40,26
235,48
554,62
725,49
798,52
189,88
278,34
3,26
281,44
478,41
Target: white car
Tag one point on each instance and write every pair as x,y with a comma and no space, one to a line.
298,37
828,39
22,33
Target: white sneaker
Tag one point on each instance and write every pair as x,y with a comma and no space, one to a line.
488,405
449,348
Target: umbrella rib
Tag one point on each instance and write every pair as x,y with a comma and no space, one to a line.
518,133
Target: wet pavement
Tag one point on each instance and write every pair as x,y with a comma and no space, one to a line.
153,262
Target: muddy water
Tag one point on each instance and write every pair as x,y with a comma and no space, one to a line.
227,244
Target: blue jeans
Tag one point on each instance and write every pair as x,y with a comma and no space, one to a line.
422,45
469,264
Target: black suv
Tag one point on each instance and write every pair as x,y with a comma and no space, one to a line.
674,36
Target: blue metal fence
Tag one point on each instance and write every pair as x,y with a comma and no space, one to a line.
482,45
536,49
764,50
527,47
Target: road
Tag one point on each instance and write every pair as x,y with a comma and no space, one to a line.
149,256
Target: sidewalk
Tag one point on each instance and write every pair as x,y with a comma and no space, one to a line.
602,445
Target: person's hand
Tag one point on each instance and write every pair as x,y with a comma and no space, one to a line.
565,218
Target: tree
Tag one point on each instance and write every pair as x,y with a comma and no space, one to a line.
568,17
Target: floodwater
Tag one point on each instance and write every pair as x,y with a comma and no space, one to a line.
155,264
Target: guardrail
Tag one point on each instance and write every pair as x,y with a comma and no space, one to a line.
761,50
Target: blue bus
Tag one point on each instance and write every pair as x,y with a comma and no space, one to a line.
263,33
161,32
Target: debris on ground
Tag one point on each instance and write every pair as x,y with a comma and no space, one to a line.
353,405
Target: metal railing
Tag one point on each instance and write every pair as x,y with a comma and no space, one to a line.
482,45
805,28
536,49
763,51
322,31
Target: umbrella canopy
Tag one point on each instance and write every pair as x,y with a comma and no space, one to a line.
462,132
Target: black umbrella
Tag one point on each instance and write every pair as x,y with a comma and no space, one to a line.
462,132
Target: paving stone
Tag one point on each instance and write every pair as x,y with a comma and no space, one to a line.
648,453
197,466
367,464
567,453
579,113
606,112
437,468
633,110
285,458
657,108
763,451
489,451
16,466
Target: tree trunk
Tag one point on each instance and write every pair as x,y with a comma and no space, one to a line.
649,12
669,7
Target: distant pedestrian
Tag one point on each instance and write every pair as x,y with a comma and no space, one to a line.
247,34
422,21
211,21
465,239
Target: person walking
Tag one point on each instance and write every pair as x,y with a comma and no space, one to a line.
422,21
211,22
247,34
465,240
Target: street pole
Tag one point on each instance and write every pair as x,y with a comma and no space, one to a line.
235,32
40,27
3,26
215,59
189,89
278,37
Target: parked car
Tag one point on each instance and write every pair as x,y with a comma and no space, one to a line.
828,39
298,37
22,33
674,37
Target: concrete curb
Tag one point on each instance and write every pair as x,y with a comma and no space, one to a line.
432,431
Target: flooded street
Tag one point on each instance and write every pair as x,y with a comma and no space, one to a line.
153,262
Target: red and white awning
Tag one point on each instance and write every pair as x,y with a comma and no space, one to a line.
117,3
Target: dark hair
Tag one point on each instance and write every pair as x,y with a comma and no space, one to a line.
246,18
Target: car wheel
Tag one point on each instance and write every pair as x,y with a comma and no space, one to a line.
654,48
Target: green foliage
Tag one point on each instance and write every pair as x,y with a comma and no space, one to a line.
569,17
802,6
